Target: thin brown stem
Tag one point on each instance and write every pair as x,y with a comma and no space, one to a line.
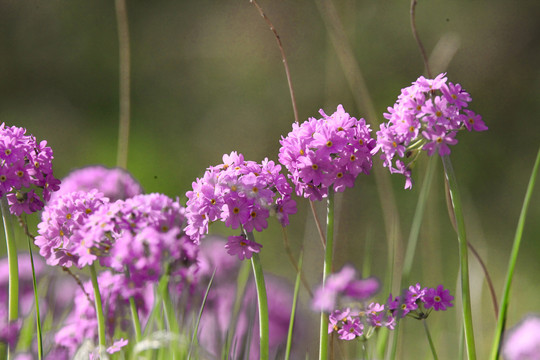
125,65
417,38
78,281
283,58
488,279
318,224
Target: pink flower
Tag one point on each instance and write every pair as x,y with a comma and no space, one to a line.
244,248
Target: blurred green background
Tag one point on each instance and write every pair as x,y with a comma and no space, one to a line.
207,79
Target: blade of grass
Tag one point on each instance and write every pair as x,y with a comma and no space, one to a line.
99,309
293,310
194,336
463,256
501,323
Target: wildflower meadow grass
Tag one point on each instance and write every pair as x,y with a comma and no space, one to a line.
306,181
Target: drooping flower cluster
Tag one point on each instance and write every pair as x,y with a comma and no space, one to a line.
327,152
418,302
27,164
427,115
81,324
241,194
114,183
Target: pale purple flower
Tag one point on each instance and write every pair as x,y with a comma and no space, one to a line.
114,183
522,342
117,346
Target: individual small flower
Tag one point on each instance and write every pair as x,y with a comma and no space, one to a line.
25,166
242,247
344,284
438,299
117,346
427,116
522,342
351,329
242,194
114,183
327,152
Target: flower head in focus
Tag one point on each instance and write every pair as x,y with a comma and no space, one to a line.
427,116
242,194
327,152
25,166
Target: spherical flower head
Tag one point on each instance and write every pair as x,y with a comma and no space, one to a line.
240,193
438,299
327,152
242,247
25,166
61,221
142,235
427,116
523,340
114,183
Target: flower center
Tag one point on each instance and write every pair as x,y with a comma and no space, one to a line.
236,210
339,175
314,166
329,143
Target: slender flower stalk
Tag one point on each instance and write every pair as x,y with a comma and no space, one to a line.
262,302
13,292
327,270
293,310
495,350
463,256
430,340
38,317
134,315
99,308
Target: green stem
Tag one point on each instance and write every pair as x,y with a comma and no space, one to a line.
430,340
13,296
38,317
262,302
99,308
512,263
463,256
327,270
135,319
293,310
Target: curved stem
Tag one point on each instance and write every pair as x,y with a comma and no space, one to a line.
99,308
327,270
463,256
13,291
495,350
262,302
430,340
417,38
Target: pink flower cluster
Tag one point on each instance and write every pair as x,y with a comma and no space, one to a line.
25,163
241,194
327,152
427,115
